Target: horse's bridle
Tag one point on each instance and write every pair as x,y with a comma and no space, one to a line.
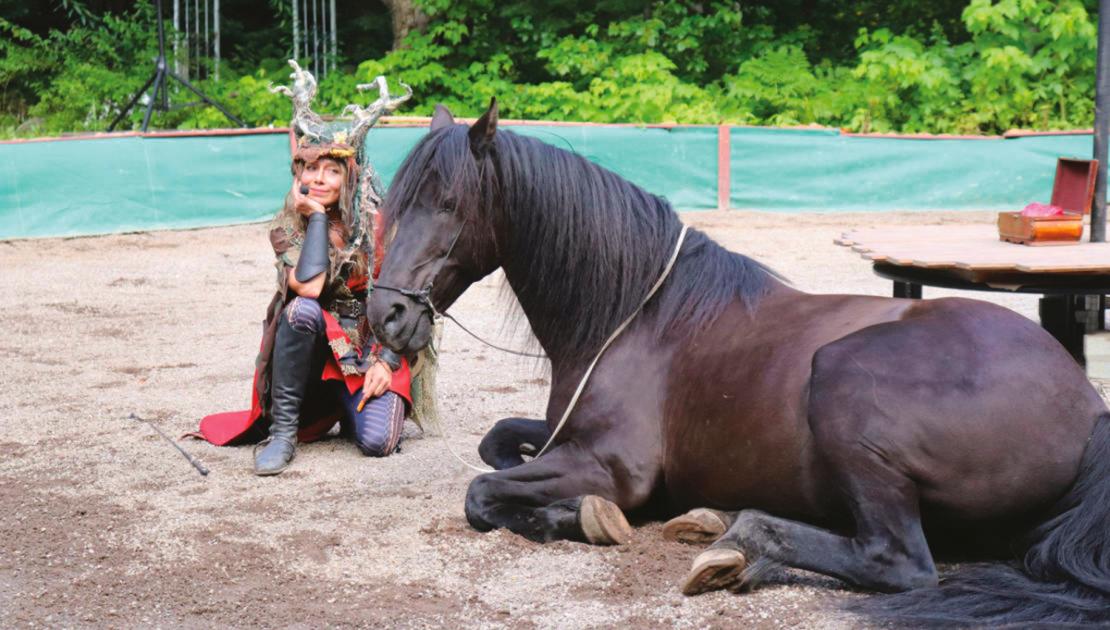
423,297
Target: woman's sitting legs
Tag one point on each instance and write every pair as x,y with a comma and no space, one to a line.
296,345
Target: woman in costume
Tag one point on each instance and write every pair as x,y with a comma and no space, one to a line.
319,363
322,331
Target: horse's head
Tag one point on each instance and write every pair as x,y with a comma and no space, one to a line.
439,211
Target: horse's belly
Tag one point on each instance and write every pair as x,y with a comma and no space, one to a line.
738,433
736,452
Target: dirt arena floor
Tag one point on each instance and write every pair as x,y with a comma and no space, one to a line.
103,524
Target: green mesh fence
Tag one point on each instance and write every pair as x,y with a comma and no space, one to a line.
822,170
101,185
96,186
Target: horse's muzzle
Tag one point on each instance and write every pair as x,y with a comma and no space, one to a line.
399,322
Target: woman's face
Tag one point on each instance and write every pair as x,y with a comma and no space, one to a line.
324,178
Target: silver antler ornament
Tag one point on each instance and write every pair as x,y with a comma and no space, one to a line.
365,118
305,121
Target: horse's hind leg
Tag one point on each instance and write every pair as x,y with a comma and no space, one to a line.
887,553
887,550
511,438
568,493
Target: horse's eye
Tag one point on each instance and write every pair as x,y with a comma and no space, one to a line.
445,210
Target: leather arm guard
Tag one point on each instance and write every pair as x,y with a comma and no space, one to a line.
314,253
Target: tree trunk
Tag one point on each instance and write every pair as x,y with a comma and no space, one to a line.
296,32
333,53
406,19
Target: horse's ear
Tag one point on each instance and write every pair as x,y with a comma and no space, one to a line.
442,117
481,134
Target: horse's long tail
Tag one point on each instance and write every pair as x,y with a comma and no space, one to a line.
1064,579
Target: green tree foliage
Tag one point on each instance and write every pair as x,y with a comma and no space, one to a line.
80,77
950,66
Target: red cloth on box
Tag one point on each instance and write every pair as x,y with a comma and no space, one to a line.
1041,210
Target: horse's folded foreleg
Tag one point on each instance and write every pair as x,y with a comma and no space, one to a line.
511,438
565,494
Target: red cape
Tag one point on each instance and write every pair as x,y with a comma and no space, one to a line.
231,427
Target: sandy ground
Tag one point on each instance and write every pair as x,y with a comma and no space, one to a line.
103,524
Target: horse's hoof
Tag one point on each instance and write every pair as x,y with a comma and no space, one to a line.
697,527
603,522
714,569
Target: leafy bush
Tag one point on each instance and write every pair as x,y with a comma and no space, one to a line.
81,77
1017,63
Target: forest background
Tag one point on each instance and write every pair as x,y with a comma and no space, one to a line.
945,66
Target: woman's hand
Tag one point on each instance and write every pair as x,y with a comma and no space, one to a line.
378,378
304,204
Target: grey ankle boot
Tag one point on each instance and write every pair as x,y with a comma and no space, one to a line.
291,369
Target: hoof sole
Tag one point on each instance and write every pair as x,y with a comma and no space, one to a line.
603,522
696,527
713,570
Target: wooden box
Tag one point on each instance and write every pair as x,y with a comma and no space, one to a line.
1058,230
1073,189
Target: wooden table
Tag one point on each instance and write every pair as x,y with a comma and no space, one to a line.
1073,278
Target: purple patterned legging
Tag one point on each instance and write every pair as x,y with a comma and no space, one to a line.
376,429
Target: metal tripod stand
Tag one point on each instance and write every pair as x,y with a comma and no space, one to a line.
159,96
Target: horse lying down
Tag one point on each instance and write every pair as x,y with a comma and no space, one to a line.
846,435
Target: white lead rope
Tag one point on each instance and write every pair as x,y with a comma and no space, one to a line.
612,337
590,369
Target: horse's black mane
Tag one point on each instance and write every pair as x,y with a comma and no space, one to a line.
589,243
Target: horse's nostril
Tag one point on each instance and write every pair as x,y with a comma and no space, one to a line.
395,312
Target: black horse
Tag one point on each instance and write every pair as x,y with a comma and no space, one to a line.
851,434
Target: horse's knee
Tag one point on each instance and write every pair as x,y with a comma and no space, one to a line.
305,315
479,500
497,448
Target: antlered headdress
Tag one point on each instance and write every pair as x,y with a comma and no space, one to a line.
340,139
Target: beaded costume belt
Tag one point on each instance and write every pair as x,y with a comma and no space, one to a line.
350,308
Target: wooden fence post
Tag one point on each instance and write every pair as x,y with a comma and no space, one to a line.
724,166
